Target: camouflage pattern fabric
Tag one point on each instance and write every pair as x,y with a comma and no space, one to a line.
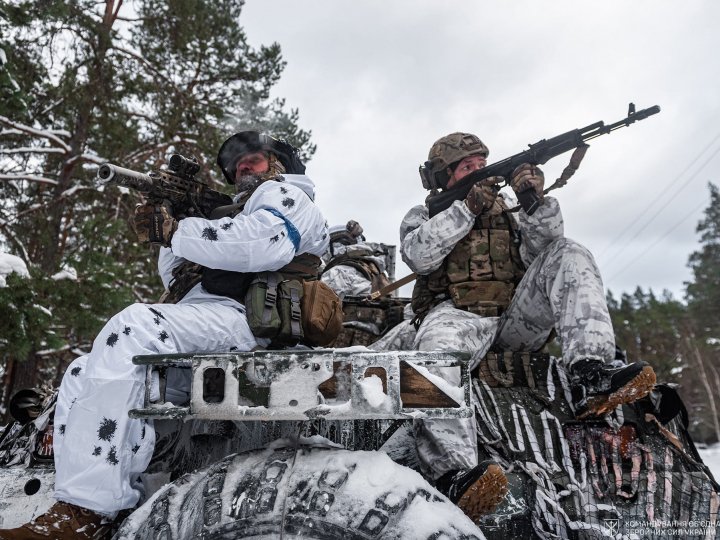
345,280
399,338
348,281
561,289
99,450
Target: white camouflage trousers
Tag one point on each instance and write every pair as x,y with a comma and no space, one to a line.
99,451
561,289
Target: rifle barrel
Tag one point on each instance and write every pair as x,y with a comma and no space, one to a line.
108,173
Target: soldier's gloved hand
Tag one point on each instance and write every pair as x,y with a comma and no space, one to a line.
154,223
481,197
354,228
528,176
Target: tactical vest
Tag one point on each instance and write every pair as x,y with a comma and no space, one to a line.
480,273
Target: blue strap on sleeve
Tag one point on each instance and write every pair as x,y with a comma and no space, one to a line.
293,233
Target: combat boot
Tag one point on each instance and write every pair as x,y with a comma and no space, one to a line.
597,388
477,491
61,521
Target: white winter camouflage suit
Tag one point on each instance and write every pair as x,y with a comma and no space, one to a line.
561,288
99,451
346,280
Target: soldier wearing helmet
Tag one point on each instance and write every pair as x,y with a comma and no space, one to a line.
275,226
488,277
355,268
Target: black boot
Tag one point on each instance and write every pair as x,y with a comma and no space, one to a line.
477,491
597,388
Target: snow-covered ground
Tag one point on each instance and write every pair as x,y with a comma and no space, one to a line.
711,457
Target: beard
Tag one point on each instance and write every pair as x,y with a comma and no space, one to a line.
248,182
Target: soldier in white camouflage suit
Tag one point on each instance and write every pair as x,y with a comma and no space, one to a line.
491,278
357,268
352,268
100,451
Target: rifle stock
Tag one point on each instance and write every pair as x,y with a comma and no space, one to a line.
537,154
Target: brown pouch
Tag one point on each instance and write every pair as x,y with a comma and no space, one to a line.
322,313
481,293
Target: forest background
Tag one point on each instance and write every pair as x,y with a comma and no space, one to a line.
84,82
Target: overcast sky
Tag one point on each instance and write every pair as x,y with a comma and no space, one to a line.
378,81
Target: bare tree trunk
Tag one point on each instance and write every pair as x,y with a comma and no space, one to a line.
6,389
91,92
716,380
692,347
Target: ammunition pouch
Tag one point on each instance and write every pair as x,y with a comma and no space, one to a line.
479,274
365,320
322,313
291,311
487,298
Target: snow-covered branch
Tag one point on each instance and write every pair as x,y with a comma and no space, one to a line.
33,150
7,231
92,158
37,132
64,195
29,177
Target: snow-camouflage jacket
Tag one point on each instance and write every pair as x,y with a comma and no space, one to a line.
278,222
425,242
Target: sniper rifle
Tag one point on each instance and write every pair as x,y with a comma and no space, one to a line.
176,185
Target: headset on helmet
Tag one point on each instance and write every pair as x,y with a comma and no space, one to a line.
247,142
446,153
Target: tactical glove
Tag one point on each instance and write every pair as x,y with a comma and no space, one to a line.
481,196
354,228
154,224
528,176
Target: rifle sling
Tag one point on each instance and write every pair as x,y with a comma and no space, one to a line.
575,160
393,286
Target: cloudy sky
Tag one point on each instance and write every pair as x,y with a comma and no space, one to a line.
378,81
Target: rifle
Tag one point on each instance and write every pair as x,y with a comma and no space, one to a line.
177,185
537,154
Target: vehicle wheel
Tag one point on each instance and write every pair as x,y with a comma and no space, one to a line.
310,490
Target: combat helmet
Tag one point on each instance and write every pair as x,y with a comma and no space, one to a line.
246,142
446,153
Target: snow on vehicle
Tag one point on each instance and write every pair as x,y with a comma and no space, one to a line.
341,464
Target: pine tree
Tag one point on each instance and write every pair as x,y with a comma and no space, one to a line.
703,293
703,301
83,82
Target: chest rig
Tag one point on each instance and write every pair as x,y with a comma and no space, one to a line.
480,273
